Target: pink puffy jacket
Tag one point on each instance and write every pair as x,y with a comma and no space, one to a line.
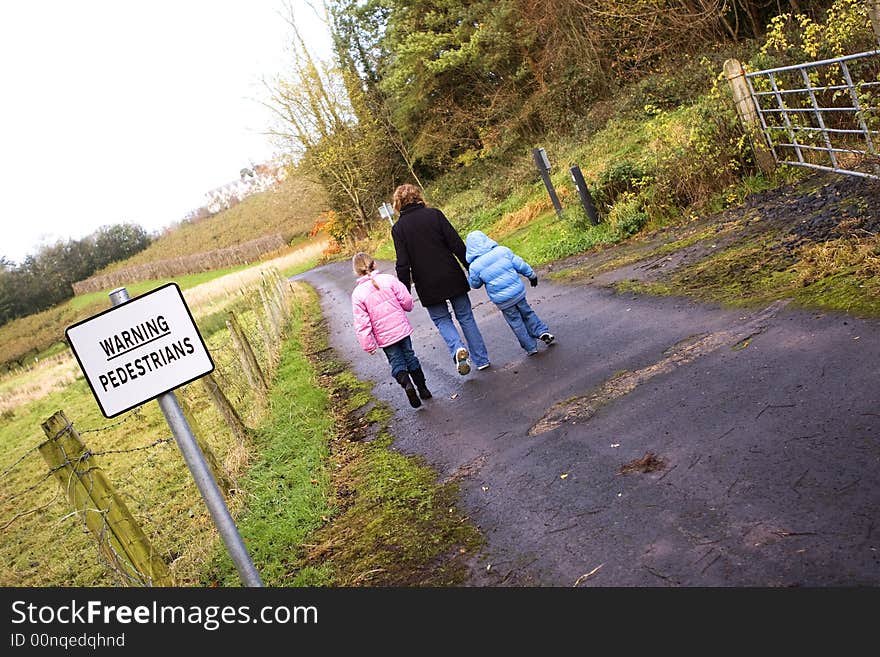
380,314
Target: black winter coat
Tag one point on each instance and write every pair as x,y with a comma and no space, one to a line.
429,251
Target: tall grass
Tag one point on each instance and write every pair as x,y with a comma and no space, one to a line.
288,487
201,296
44,377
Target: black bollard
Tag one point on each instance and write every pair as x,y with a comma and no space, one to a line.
543,165
584,193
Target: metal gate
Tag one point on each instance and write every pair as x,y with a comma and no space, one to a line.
823,115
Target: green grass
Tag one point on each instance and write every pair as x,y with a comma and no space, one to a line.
747,274
48,547
288,485
385,251
550,238
402,528
844,291
300,268
632,252
55,349
756,272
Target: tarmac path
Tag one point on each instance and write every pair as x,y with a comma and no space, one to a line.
766,425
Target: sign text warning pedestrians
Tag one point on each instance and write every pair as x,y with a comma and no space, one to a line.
133,353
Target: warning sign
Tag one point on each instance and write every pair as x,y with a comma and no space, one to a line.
133,353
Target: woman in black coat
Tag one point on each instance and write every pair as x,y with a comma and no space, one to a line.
430,255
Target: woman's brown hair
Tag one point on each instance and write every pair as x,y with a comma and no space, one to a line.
407,194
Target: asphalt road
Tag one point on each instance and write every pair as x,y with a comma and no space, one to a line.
766,424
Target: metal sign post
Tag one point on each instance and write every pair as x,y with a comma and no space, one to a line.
543,164
386,211
143,345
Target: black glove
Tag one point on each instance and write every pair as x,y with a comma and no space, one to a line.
534,281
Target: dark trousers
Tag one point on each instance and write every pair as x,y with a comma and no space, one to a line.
401,356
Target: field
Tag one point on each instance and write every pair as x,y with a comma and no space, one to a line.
29,339
43,542
290,209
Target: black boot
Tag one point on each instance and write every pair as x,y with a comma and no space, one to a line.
418,377
404,380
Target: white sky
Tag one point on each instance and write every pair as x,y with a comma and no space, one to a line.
121,110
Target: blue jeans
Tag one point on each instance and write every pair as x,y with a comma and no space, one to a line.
461,306
401,356
526,325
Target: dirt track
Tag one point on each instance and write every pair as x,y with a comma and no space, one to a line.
759,430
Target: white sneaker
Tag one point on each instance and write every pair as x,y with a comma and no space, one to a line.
462,364
484,366
547,337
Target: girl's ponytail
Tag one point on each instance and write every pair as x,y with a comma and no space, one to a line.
363,264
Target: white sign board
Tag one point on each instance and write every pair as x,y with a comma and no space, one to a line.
134,352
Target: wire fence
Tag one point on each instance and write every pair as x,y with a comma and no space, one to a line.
113,503
824,114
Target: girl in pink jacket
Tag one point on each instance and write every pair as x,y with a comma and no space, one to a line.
379,304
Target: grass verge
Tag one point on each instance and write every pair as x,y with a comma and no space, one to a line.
816,243
842,275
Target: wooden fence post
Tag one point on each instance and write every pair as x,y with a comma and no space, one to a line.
247,358
264,324
277,300
282,287
874,13
120,538
279,285
220,476
748,115
269,311
226,409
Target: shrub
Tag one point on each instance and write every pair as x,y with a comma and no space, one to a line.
340,227
627,216
619,178
796,38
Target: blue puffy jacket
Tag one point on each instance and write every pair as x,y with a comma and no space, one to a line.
498,267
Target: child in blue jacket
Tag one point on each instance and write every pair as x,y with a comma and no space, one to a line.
499,268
